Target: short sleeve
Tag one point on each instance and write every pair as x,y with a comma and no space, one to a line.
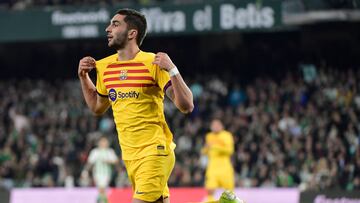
229,142
112,155
100,87
162,78
92,157
207,138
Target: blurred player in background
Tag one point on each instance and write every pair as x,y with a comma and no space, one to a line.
133,83
101,160
219,146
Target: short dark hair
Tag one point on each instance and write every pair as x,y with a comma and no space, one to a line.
135,20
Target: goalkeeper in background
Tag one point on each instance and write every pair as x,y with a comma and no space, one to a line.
101,160
219,146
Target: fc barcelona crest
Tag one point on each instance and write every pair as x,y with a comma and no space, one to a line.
123,74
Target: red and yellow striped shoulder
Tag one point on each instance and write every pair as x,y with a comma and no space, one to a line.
138,72
142,58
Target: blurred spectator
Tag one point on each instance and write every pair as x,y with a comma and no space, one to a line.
288,133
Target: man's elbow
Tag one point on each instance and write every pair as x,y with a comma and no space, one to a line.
98,109
97,112
188,108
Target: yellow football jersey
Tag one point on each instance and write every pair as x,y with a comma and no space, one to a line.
136,90
220,148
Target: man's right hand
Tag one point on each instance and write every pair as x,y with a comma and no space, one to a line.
86,64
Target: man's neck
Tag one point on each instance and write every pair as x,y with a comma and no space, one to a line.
128,53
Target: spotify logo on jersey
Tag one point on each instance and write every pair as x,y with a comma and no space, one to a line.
112,94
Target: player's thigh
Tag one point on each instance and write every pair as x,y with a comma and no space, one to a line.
131,166
212,179
228,180
151,177
171,162
102,181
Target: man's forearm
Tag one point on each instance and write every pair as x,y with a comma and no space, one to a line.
183,97
223,149
89,91
180,93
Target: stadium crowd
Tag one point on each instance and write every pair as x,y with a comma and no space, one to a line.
300,131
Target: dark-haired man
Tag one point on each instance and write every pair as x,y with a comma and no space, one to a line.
133,83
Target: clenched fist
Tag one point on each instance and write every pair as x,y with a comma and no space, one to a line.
163,61
86,64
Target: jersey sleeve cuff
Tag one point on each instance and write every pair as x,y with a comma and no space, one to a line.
101,95
168,84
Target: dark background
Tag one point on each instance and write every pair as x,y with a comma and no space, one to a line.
246,54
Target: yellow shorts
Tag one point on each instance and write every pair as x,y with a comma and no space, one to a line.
216,178
149,176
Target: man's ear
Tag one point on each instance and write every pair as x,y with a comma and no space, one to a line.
132,33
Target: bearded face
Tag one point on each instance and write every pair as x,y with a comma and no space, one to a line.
117,33
118,40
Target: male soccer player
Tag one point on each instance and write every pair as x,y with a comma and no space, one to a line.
133,83
219,146
101,160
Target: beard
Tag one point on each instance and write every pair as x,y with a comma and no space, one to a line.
119,41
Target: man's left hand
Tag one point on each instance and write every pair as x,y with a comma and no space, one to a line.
163,61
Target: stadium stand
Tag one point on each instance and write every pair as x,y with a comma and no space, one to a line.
290,95
289,133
